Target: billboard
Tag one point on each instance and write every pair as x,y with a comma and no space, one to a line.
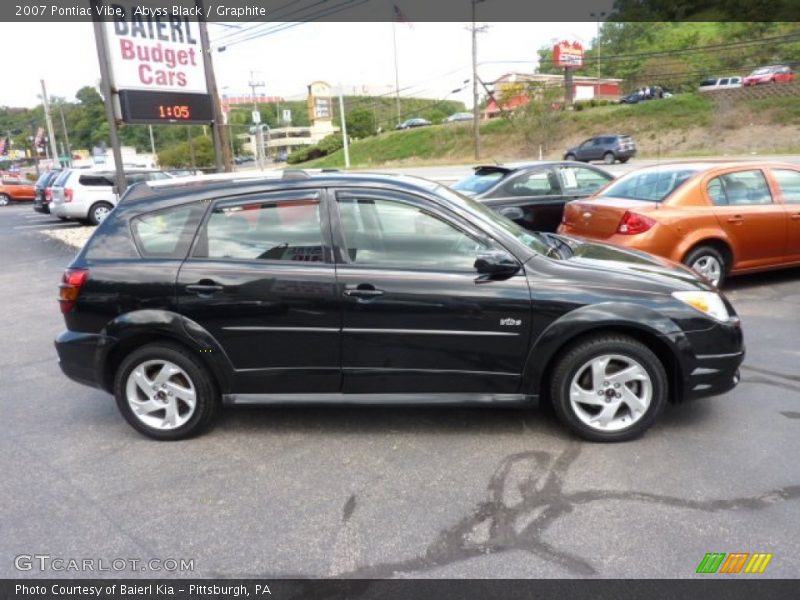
568,54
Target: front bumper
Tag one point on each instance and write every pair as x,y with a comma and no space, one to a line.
713,368
80,356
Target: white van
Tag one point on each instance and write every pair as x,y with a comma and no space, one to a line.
720,83
89,195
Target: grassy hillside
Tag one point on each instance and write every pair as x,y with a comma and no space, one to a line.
685,125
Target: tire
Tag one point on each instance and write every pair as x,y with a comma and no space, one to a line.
609,158
624,160
708,262
5,199
98,212
185,378
570,157
603,411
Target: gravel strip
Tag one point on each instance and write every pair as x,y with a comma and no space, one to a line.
72,236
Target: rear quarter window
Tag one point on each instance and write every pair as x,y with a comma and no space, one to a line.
166,233
88,180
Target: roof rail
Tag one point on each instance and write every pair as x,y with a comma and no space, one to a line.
295,174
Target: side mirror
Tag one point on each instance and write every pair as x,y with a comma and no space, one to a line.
493,264
513,213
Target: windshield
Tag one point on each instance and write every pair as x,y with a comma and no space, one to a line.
652,186
479,182
532,240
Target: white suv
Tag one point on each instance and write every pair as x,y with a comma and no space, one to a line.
90,195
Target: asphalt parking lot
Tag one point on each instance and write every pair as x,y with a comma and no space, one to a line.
383,492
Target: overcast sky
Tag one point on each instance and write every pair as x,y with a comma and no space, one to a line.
433,58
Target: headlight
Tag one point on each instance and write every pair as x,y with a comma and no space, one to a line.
708,303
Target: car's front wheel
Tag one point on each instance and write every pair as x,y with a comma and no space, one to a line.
165,393
570,156
609,158
4,199
608,388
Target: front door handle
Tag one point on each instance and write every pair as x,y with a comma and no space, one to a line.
735,219
204,287
362,290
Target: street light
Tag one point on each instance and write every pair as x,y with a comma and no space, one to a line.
598,16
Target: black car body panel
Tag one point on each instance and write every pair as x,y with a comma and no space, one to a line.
40,203
327,325
533,195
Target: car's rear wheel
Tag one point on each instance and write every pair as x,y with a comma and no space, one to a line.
4,199
708,262
624,160
609,158
608,388
98,212
570,156
165,393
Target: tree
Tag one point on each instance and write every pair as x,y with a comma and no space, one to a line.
541,117
360,123
179,155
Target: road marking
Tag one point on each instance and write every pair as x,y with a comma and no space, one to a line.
48,226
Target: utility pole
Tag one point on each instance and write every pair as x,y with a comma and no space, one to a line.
344,130
49,120
257,121
476,130
598,16
396,73
223,159
66,135
152,142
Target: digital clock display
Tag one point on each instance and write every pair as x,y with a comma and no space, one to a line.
165,107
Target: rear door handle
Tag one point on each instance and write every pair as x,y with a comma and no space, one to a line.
204,287
735,219
362,290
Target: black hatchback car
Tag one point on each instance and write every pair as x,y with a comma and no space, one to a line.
533,194
377,289
41,203
608,148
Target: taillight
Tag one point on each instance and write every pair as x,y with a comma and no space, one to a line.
71,283
67,194
633,223
48,194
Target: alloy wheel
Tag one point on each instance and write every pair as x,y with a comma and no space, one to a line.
709,267
160,394
610,392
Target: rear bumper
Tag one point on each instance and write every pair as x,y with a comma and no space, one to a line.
80,356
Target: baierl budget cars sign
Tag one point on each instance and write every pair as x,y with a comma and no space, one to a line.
155,48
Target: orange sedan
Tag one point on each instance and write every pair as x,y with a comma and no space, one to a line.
15,189
718,218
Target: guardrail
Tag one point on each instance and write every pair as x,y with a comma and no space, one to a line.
756,92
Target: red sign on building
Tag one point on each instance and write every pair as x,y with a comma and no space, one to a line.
568,54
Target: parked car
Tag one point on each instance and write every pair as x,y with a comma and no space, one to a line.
718,218
532,194
89,195
13,189
608,148
720,83
411,123
376,289
43,191
771,74
459,116
634,98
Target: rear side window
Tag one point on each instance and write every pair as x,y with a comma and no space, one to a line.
740,188
536,183
275,230
581,179
166,233
789,182
95,180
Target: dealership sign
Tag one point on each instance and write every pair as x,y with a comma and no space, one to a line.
568,54
155,60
